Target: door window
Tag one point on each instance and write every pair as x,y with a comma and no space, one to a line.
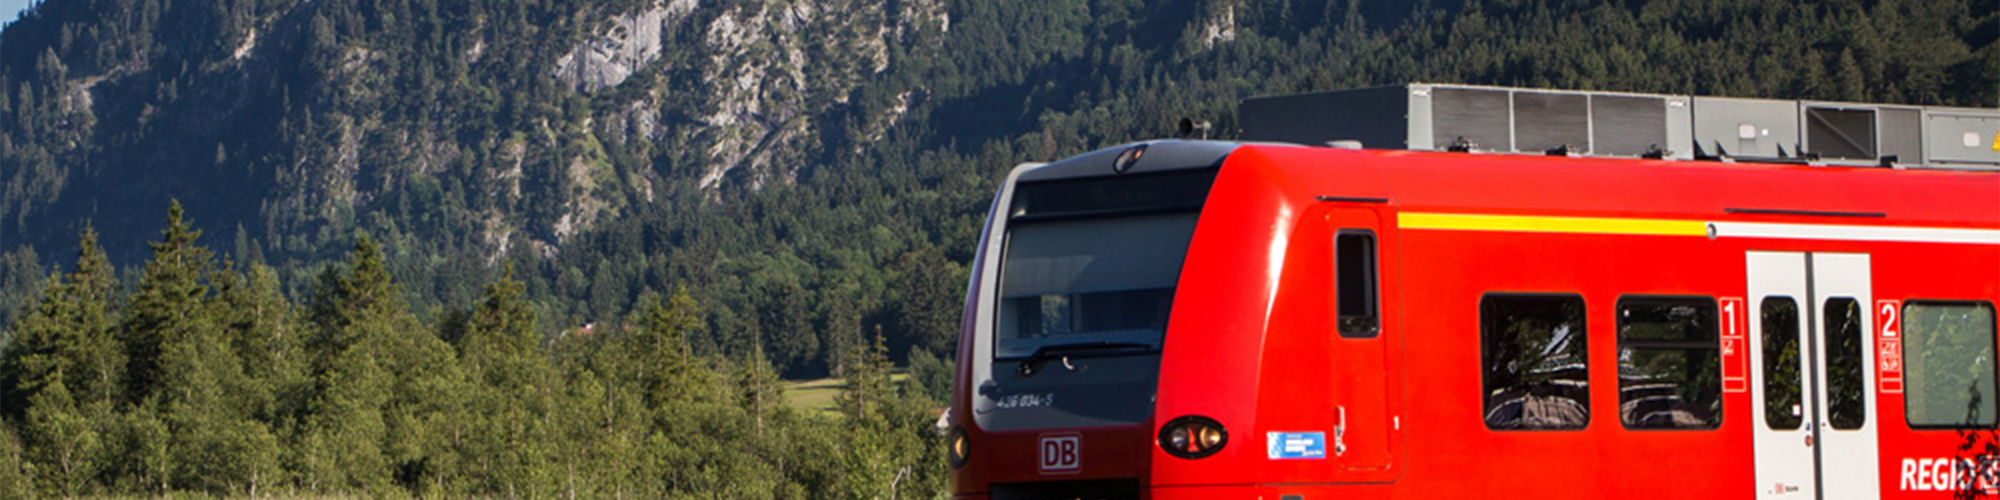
1844,381
1782,408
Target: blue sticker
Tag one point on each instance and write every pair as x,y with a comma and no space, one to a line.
1295,445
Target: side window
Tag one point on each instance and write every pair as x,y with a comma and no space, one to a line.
1948,364
1354,277
1669,363
1782,408
1534,362
1845,408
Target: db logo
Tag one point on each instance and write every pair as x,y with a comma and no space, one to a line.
1062,453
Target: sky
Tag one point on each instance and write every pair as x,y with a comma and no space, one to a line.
10,9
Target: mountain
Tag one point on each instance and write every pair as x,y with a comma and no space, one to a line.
542,248
813,170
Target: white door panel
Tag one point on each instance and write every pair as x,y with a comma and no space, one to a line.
1811,386
1784,455
1844,373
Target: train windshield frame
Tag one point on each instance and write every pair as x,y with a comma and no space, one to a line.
1084,286
1090,280
1095,262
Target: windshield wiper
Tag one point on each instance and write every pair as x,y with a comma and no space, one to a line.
1047,352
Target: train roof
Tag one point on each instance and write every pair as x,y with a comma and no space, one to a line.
1639,188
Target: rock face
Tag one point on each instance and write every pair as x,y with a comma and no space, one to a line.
630,43
330,114
758,71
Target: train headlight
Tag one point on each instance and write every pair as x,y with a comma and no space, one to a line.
958,448
1193,436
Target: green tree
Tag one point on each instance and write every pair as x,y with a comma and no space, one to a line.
668,372
16,471
512,396
188,373
64,342
344,430
932,301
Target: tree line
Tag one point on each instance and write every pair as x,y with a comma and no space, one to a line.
200,375
439,129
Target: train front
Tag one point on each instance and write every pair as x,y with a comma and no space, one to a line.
1067,319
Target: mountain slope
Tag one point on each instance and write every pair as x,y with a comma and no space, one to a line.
813,169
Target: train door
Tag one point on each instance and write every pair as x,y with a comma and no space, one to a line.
1366,404
1810,383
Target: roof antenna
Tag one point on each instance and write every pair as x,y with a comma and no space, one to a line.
1461,145
1188,128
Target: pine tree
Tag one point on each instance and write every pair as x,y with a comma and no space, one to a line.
868,387
512,395
759,391
189,375
931,301
869,462
66,342
669,373
167,306
344,430
103,357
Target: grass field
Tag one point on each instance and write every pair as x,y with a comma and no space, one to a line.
817,395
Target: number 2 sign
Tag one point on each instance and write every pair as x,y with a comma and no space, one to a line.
1889,345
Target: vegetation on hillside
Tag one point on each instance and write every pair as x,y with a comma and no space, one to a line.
814,175
593,233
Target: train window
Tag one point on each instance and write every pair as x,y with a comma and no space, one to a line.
1091,280
1534,361
1669,363
1948,368
1845,408
1782,407
1354,249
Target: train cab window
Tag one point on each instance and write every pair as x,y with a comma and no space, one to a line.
1948,367
1355,279
1845,409
1669,364
1534,363
1783,409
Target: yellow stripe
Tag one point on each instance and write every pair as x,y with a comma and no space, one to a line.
1532,224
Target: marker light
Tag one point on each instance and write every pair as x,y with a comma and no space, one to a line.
1193,436
958,448
1127,158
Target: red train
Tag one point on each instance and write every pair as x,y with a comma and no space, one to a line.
1195,319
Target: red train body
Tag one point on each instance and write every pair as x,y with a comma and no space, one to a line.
1184,319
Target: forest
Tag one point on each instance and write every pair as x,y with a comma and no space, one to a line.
205,378
542,248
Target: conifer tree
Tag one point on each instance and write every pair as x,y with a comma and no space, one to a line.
344,430
512,394
165,308
869,465
263,332
868,388
66,342
188,373
102,356
759,391
667,370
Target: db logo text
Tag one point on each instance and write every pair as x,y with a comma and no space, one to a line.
1062,453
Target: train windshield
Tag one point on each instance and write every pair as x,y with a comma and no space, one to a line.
1087,278
1108,280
